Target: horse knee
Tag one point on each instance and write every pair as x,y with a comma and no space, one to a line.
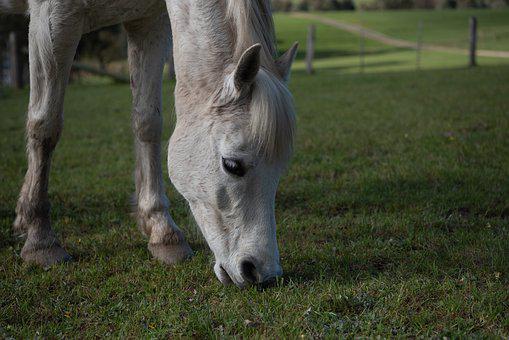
44,131
147,125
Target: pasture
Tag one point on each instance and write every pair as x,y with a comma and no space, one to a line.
447,27
392,219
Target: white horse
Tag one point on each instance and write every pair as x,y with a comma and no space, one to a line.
234,130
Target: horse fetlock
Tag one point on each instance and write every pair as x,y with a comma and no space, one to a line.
166,242
30,214
144,227
162,229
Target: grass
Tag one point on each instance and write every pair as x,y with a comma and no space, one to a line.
392,219
338,51
445,27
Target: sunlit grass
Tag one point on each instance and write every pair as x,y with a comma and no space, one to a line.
339,50
445,27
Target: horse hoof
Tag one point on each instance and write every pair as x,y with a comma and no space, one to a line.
171,253
45,257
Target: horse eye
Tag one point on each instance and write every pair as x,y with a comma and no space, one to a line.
234,166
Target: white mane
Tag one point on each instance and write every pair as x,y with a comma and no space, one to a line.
252,23
272,113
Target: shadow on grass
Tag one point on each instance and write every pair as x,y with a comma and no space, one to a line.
366,66
329,53
401,219
411,70
394,196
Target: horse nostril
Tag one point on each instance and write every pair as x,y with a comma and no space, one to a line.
248,271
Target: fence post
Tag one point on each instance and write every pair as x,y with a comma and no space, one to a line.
15,74
310,49
473,41
419,45
362,51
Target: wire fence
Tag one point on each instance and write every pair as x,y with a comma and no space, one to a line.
14,52
418,46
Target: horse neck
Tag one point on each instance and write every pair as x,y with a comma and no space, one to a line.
203,45
209,36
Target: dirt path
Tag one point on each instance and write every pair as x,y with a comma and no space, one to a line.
385,39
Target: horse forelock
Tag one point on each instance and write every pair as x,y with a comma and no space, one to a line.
272,117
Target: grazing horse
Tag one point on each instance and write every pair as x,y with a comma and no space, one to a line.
233,136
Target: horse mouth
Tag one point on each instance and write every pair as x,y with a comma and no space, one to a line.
223,276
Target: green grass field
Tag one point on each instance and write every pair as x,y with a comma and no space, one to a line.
445,27
338,51
392,219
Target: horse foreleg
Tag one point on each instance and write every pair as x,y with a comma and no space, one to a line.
51,51
148,41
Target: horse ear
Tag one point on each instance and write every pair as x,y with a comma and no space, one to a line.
284,63
247,67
